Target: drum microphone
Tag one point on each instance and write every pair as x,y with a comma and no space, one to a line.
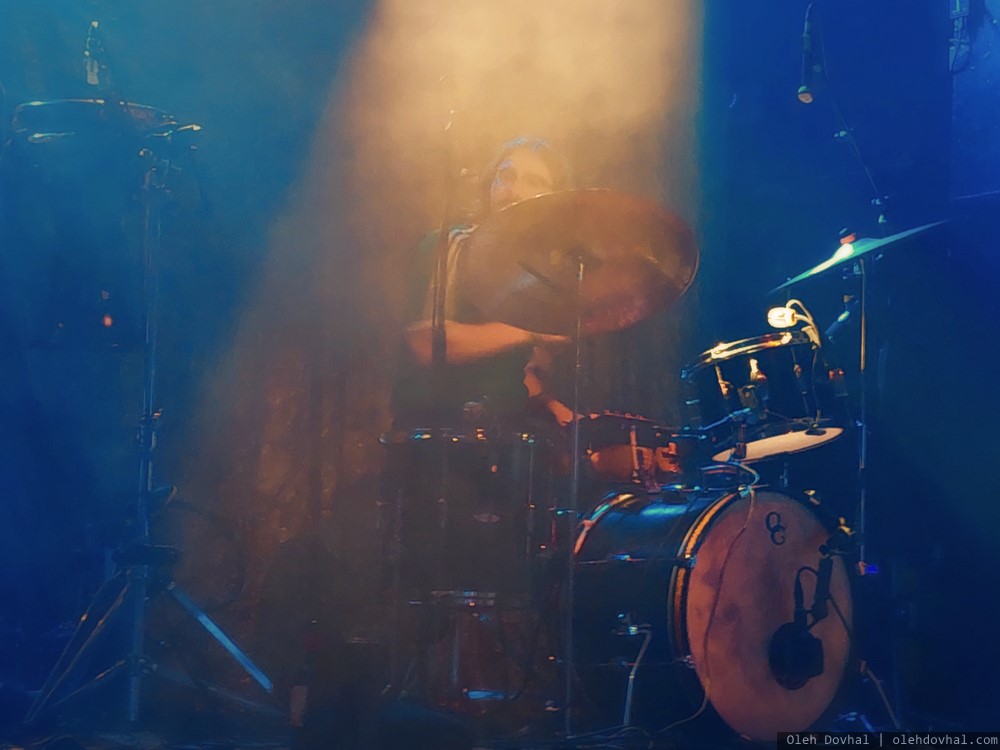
809,66
753,399
91,49
851,305
795,655
787,316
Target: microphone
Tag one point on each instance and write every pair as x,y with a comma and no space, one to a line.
805,94
845,318
795,655
91,49
782,317
787,316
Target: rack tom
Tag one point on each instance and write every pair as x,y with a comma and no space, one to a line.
774,388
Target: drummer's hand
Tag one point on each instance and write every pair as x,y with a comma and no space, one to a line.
538,370
562,413
553,340
536,390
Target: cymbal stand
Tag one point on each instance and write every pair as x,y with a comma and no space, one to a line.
138,558
864,567
574,509
862,515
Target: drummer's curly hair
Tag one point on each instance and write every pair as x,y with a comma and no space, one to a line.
555,162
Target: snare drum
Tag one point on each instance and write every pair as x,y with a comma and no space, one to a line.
691,589
774,384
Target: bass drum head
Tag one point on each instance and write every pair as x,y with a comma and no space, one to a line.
740,591
704,580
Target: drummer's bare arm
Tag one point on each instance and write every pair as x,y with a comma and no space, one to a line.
468,342
535,372
562,413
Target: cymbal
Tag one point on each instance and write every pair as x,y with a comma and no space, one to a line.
854,250
68,117
522,262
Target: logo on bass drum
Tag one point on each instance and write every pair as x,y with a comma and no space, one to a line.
775,528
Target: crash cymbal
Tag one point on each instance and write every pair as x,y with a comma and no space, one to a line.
854,250
522,262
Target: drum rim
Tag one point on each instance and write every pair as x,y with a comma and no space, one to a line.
725,351
680,577
473,435
836,430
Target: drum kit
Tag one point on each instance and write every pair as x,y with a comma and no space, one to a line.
668,573
688,576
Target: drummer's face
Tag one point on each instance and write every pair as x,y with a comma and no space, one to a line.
521,175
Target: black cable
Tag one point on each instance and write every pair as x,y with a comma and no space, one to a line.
846,133
843,620
799,595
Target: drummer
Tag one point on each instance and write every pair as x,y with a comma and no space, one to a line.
494,371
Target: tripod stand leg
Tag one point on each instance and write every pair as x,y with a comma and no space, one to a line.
140,581
224,640
182,679
99,681
66,664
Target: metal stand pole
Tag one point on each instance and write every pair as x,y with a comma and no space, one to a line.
139,575
862,520
139,555
574,511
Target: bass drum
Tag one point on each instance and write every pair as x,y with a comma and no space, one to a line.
704,582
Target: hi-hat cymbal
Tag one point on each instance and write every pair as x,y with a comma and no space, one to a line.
522,263
854,250
71,117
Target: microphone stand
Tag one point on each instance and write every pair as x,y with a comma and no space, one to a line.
861,268
862,518
439,279
574,509
437,394
138,558
846,132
